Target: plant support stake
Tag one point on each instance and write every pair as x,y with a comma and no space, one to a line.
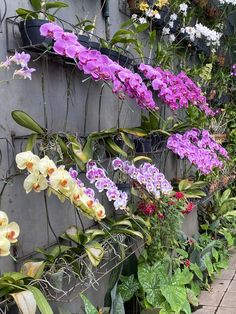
106,15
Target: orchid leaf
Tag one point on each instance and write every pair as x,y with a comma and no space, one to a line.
95,253
88,306
23,119
127,140
56,5
36,4
41,301
134,131
31,142
25,302
114,147
138,158
26,14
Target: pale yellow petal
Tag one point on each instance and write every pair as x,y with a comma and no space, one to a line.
4,246
3,218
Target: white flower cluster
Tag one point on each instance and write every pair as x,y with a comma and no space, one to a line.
200,31
228,2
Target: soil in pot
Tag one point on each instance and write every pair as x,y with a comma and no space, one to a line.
30,32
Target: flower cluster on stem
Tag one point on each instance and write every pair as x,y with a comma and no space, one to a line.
199,148
99,66
44,174
177,91
147,175
21,59
98,176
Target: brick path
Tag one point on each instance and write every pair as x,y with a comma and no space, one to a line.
221,298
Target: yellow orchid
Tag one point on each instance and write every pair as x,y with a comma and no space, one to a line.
9,233
61,180
161,3
36,182
46,166
27,160
3,219
143,6
4,246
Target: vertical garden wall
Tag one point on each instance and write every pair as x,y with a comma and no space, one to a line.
128,101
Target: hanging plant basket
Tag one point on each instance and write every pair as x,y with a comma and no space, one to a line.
30,32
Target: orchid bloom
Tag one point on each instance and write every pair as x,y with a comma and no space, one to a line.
44,174
27,160
9,233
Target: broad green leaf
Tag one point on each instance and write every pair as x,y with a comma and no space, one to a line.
56,5
230,213
114,147
36,4
23,119
134,131
41,301
224,196
208,264
175,296
183,277
182,252
152,38
142,27
192,299
88,306
127,140
31,142
197,271
127,231
215,254
128,287
123,222
186,308
26,14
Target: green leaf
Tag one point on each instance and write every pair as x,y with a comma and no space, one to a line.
23,119
208,264
31,142
114,147
184,185
215,254
89,307
138,158
127,140
117,302
142,27
192,299
40,299
152,38
26,14
197,271
182,252
128,287
56,5
36,4
95,253
183,277
175,296
134,131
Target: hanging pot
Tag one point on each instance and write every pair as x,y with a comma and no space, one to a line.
84,40
30,32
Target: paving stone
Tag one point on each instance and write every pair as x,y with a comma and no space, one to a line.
229,300
220,285
206,310
232,262
211,298
226,310
226,274
232,286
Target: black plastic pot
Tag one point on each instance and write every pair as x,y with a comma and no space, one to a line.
84,40
143,145
30,32
112,54
94,45
124,61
